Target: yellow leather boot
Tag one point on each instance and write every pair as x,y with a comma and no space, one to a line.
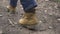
28,19
11,9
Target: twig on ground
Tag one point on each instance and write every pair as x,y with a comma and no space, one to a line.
11,22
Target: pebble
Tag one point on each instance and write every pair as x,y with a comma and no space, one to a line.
58,19
50,14
56,6
22,8
46,0
45,11
40,21
50,27
0,31
1,15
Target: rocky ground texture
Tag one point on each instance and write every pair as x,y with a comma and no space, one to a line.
48,14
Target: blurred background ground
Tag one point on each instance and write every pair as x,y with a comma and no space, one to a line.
48,13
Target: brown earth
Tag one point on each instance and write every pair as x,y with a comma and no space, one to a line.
48,14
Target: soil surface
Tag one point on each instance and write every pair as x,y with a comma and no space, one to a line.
47,12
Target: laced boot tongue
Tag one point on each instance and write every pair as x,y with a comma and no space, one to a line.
28,15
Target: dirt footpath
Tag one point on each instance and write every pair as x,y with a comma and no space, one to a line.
48,14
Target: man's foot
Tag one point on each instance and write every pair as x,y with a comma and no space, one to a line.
11,10
28,19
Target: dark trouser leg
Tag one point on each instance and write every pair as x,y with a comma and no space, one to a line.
13,3
28,5
12,6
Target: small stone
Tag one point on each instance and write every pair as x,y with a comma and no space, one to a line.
15,23
50,27
50,14
40,21
46,0
1,15
45,11
58,19
56,7
21,8
0,31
